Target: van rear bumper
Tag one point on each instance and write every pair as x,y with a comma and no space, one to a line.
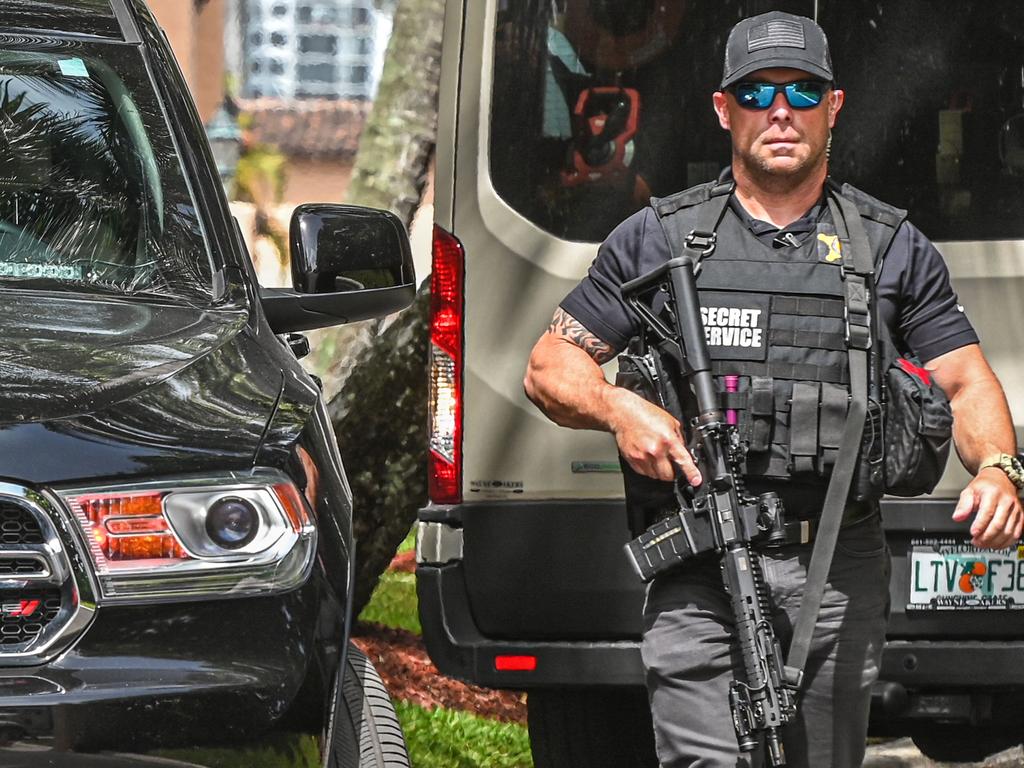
458,648
547,580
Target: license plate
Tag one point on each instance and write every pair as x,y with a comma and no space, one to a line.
950,574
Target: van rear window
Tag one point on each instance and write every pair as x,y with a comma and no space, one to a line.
598,104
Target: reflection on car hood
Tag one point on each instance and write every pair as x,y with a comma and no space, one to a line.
115,389
62,356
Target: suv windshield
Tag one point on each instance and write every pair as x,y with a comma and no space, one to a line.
598,104
92,193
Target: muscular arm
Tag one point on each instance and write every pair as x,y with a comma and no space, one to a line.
982,427
564,379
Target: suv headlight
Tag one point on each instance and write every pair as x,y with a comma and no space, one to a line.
197,537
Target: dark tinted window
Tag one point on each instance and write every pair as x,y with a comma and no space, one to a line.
92,194
597,105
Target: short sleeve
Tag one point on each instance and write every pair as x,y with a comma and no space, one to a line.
928,316
632,249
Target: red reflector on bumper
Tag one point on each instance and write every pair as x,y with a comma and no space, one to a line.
515,663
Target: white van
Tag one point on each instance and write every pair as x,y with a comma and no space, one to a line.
559,118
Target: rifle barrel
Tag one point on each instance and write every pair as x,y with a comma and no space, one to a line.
691,330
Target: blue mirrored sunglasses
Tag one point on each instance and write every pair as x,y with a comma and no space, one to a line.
803,94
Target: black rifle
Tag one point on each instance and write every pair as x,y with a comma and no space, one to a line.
719,515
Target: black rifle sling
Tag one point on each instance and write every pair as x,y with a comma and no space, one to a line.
699,242
857,276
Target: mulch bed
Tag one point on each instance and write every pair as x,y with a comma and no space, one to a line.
409,675
403,562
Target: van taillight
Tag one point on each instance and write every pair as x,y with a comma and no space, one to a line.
446,311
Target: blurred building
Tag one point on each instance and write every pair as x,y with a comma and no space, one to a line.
195,29
312,49
318,138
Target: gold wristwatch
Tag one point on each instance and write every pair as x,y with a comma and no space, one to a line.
1010,465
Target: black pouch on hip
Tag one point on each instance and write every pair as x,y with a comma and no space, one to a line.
918,430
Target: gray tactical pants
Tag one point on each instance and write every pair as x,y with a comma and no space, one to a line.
689,657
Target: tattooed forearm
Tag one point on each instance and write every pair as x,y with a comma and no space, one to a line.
564,324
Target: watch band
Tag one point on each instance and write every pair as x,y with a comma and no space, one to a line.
1010,465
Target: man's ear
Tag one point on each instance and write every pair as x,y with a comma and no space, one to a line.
721,104
836,97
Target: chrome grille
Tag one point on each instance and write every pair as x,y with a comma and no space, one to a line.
24,615
42,577
15,567
18,525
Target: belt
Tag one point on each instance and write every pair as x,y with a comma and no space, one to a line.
804,531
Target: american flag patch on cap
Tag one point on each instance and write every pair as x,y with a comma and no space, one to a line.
778,33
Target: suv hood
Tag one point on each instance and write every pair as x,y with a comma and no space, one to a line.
61,356
94,387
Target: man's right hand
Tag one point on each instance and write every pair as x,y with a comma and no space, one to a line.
650,439
564,379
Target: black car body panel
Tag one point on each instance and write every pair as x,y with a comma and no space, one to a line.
106,388
87,18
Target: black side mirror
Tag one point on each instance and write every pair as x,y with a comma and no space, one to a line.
348,263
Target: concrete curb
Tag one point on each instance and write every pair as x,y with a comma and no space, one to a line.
903,754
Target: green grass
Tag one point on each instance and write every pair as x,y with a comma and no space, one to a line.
409,543
441,738
394,603
285,749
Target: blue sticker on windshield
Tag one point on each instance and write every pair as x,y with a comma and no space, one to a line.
73,68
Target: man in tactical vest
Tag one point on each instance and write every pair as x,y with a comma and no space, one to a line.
772,296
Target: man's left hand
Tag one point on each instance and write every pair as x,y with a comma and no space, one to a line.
998,517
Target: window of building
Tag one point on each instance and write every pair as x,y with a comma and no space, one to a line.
279,39
280,10
358,74
318,14
326,44
276,67
317,73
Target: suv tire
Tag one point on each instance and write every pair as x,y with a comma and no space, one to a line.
364,728
591,728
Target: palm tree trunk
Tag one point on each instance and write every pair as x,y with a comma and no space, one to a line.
379,413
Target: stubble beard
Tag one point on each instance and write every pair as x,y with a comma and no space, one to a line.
772,178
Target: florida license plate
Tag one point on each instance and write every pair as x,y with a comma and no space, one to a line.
950,574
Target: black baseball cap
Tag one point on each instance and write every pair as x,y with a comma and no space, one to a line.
776,39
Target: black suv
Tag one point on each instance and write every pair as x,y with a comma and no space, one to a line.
175,524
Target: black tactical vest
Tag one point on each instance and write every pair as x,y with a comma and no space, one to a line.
776,331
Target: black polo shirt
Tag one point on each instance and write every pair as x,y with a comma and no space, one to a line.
915,297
